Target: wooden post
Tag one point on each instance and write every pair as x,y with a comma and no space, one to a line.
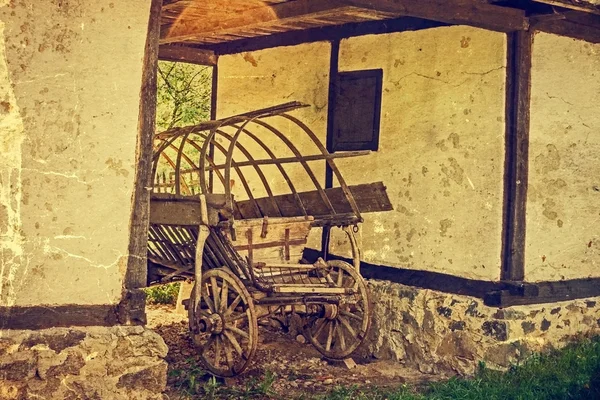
518,95
132,306
333,77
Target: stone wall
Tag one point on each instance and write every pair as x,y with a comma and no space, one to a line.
436,331
70,81
82,363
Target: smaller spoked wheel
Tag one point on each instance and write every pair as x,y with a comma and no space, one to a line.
224,325
337,330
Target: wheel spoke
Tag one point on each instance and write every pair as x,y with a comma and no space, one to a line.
215,295
229,357
224,294
208,301
319,329
233,305
217,351
234,343
239,316
341,337
340,278
209,343
330,335
346,324
237,331
350,315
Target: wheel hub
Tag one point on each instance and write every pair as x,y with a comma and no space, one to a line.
212,323
330,311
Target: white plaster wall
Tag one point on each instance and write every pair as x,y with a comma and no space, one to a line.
563,208
75,72
441,149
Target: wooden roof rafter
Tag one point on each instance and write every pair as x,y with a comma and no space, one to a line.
194,28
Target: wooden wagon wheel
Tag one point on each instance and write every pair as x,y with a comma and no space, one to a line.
224,327
337,330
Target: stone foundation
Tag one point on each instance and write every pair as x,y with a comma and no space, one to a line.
120,362
436,331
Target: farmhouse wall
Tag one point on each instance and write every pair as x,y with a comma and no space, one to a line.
70,79
441,152
563,207
441,149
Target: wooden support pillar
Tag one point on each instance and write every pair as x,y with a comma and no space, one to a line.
333,77
131,310
518,95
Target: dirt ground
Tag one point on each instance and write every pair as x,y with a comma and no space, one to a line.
295,367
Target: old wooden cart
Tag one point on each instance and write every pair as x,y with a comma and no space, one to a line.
242,243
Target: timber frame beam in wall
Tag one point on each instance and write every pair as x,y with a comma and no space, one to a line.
518,95
187,54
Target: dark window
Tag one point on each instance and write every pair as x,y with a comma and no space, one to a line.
357,111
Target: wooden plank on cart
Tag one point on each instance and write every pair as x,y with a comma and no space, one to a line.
169,209
369,197
279,240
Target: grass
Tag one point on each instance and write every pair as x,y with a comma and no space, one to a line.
195,383
162,294
570,373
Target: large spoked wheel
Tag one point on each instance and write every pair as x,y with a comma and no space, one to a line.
337,330
224,326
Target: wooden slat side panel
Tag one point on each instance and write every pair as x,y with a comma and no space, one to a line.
369,197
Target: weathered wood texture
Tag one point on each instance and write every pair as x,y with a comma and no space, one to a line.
316,34
206,23
273,240
369,197
575,24
132,307
202,23
474,13
187,54
518,95
42,317
592,6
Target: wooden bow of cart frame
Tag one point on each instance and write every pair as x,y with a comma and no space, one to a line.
245,249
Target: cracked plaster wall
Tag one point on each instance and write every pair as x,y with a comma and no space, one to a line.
563,199
265,78
70,78
441,149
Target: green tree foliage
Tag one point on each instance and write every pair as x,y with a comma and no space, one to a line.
183,94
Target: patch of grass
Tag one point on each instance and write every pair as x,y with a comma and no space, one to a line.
193,382
570,373
162,294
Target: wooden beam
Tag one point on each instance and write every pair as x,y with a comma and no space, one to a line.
493,293
48,316
331,33
544,292
460,12
579,5
132,306
575,24
192,28
187,54
518,94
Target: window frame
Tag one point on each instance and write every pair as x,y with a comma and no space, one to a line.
335,144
